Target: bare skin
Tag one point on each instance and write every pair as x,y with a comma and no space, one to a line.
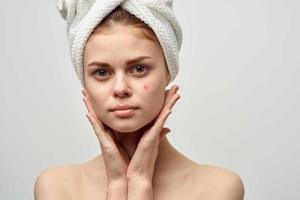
185,179
169,173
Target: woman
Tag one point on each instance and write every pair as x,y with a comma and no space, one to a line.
125,77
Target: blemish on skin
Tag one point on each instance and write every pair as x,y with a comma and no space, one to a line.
146,87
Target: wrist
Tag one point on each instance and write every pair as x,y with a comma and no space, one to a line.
140,183
117,183
116,190
118,180
140,189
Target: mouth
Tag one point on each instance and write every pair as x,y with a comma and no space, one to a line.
123,107
124,112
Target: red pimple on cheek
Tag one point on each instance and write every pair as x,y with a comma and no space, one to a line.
146,87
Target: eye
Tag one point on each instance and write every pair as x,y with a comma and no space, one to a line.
101,72
140,68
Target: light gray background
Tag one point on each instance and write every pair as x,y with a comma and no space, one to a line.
239,80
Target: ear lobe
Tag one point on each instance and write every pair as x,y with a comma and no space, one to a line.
163,133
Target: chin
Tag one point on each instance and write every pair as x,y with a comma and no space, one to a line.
127,125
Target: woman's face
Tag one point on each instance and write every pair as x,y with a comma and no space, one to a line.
122,68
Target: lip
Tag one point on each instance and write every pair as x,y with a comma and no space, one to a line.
124,112
123,107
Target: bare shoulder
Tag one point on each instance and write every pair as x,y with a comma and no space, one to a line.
55,183
220,183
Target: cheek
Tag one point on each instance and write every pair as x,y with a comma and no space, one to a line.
153,94
152,90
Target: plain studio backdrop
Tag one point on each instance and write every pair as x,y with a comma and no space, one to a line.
240,88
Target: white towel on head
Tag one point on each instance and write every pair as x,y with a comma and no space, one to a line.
82,16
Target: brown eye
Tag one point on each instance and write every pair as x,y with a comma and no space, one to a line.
140,68
101,72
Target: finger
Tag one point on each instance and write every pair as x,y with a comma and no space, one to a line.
111,135
159,123
98,129
87,101
165,112
170,92
169,96
88,105
169,105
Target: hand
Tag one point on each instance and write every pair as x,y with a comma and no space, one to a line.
115,157
141,166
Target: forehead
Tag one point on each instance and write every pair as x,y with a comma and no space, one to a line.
120,41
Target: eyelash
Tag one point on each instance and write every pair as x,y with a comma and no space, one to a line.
145,67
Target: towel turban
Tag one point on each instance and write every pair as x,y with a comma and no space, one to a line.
82,16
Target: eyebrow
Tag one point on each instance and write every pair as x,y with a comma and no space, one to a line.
128,62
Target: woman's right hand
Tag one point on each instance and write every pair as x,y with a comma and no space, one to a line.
115,157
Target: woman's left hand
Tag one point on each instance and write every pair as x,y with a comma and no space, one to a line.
141,166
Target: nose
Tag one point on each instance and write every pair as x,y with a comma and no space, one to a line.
121,88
